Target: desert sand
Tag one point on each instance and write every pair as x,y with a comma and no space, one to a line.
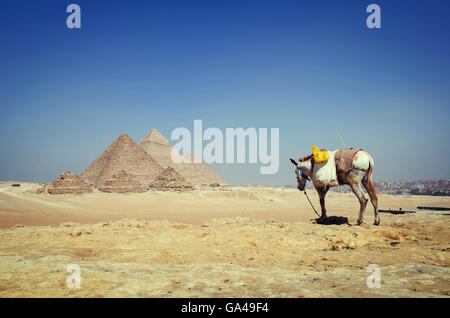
230,242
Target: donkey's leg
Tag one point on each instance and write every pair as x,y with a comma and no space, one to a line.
322,193
357,190
368,185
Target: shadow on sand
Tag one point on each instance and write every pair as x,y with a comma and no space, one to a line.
333,220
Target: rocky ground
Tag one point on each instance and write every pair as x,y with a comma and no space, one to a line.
230,257
232,242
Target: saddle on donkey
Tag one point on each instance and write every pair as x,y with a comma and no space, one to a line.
330,166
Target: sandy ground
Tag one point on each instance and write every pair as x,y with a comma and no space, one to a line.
245,242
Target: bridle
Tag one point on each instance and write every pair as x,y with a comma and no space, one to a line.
303,175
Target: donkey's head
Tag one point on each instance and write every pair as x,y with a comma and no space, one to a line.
302,171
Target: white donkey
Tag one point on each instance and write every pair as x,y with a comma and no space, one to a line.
359,173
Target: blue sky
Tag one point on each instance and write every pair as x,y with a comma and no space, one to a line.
305,67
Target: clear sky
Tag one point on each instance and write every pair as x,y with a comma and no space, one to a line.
305,67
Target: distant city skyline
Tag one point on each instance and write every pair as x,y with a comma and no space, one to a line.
306,68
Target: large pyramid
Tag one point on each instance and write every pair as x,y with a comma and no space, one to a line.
122,156
159,148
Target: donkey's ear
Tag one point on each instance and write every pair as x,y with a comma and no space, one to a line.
293,162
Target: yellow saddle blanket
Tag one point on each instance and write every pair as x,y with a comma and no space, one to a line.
319,155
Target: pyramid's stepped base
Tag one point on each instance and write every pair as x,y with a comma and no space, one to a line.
69,183
124,189
66,183
124,179
169,188
170,180
122,182
69,191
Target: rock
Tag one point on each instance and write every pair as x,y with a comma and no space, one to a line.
43,189
69,224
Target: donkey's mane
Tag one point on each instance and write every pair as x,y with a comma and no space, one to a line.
305,158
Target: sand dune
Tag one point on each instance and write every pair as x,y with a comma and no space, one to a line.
239,242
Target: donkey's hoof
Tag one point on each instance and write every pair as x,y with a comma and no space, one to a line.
359,222
377,222
321,220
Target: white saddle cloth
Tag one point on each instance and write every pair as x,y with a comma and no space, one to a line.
324,173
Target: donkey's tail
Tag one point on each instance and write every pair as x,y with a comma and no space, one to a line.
369,177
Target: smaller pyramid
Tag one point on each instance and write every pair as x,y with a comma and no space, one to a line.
122,155
68,183
171,180
122,182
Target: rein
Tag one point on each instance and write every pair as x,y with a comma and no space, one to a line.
307,178
311,203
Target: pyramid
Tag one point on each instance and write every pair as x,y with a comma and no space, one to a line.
68,183
157,146
122,182
171,180
122,155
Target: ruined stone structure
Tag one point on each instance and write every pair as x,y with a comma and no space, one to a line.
171,180
67,183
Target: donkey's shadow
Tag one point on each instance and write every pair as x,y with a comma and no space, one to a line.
333,220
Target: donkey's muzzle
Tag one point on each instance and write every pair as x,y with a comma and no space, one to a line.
301,186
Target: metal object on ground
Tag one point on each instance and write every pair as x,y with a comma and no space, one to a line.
433,208
399,211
